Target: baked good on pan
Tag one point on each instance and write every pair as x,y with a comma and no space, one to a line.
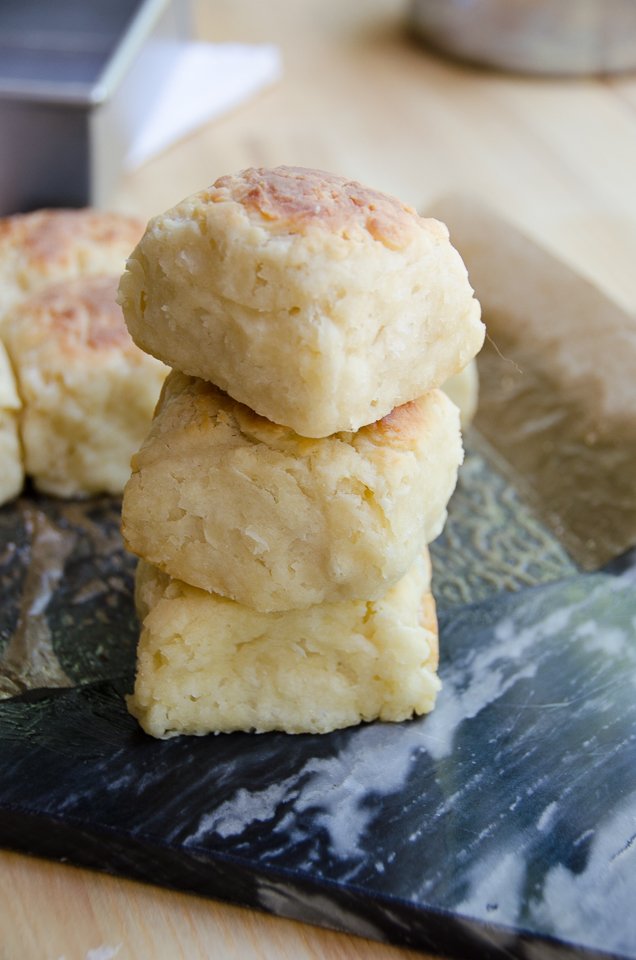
463,390
47,246
235,504
87,391
207,664
11,469
317,302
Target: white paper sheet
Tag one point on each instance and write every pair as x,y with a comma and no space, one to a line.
206,81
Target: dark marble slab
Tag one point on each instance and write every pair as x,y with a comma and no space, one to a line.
67,614
502,825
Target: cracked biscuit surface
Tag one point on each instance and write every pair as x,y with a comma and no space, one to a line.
317,302
234,504
206,664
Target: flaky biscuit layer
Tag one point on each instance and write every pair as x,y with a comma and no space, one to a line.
206,664
235,504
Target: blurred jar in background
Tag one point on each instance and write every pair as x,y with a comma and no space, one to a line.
558,37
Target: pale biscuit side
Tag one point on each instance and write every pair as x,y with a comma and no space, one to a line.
463,390
11,468
206,664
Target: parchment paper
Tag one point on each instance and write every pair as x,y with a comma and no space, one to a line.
557,383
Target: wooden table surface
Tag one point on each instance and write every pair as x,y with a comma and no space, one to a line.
357,98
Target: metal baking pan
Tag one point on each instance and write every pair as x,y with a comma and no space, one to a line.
75,80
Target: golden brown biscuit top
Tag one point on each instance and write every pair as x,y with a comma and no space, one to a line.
200,404
83,314
294,199
405,424
403,420
47,237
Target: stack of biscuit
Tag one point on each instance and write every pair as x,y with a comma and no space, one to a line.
76,394
301,457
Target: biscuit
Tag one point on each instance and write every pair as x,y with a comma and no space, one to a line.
234,504
11,469
317,302
207,664
463,390
47,246
87,391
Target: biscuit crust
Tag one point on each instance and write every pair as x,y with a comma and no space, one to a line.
48,246
87,392
295,199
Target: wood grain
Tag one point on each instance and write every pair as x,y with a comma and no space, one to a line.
49,912
358,98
